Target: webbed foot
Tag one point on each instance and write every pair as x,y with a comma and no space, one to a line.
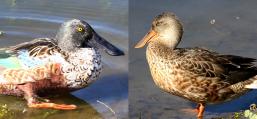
199,110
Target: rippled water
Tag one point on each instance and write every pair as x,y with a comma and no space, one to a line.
233,32
24,20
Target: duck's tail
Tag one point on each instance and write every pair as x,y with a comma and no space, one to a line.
252,85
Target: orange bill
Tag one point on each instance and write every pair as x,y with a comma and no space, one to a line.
147,38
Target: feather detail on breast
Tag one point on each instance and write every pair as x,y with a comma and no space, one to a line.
83,68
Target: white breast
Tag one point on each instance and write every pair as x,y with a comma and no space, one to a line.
83,67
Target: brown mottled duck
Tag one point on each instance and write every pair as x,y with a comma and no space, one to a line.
196,74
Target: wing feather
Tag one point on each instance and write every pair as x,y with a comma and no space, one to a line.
204,63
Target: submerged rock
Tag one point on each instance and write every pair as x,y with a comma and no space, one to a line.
1,33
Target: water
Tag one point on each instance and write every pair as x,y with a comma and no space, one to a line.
227,27
24,20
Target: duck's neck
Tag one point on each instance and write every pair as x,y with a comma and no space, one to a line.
66,42
167,42
169,39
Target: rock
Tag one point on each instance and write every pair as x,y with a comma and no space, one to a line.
1,33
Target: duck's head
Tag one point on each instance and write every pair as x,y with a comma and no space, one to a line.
166,30
75,34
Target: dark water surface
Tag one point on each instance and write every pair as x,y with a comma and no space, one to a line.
233,32
24,20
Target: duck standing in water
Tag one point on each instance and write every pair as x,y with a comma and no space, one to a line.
195,74
69,62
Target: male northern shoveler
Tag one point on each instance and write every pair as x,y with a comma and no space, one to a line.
195,74
68,62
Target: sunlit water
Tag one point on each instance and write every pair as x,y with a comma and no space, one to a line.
227,27
24,20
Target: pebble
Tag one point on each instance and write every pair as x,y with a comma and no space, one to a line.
212,21
1,33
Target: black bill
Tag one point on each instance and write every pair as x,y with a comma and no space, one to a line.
101,43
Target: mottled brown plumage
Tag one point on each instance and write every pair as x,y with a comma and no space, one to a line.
196,74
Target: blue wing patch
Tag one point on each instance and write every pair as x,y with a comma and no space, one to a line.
28,61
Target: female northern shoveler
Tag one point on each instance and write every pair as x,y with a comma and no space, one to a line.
69,62
195,74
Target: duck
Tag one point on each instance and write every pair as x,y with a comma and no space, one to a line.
195,74
45,66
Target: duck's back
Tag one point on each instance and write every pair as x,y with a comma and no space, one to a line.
198,74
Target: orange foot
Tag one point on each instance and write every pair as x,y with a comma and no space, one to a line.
52,106
199,110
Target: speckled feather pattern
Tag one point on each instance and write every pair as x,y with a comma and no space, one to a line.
83,67
199,75
77,69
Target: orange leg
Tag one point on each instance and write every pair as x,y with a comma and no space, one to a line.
33,101
200,110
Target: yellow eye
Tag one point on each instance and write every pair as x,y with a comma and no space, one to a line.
80,29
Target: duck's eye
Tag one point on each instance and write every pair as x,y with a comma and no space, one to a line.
80,29
159,23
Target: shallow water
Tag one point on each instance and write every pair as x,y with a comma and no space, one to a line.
233,32
24,20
